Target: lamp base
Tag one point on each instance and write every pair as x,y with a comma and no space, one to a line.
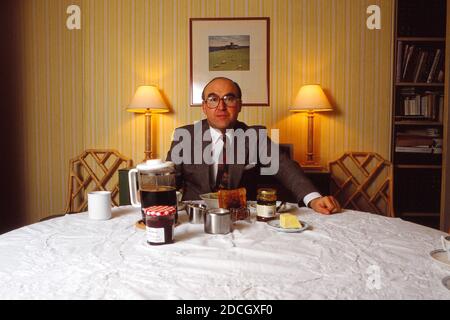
311,166
147,157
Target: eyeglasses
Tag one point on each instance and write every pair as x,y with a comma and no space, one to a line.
229,100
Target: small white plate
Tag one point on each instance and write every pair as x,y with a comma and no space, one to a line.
440,256
287,207
275,225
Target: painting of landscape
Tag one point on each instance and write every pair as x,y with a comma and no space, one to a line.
229,53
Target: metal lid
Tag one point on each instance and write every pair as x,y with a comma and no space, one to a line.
219,211
160,210
267,191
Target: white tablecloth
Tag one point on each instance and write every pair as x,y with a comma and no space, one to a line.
353,255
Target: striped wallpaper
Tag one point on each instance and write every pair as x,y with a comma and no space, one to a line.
77,83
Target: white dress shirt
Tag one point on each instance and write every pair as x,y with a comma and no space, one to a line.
217,146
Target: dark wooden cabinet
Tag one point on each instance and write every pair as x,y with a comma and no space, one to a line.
419,110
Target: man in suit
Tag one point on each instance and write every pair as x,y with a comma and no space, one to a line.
216,135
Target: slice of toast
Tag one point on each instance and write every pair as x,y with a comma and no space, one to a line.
236,198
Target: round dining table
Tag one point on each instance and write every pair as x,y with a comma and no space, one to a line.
350,255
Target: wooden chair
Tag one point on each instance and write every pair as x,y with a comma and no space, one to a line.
94,169
362,181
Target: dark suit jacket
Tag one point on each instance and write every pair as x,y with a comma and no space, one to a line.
196,179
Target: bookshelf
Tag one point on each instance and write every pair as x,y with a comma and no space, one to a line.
419,122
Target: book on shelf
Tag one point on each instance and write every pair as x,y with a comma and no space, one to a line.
441,108
441,66
399,61
408,62
419,149
405,55
427,132
416,141
440,77
410,118
419,64
428,105
418,71
434,66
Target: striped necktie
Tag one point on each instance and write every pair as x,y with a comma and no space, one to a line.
222,168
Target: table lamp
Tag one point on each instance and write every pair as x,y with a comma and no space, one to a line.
147,100
310,99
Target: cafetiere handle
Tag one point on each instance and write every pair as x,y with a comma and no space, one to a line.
132,174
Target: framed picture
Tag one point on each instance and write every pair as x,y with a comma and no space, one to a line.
236,48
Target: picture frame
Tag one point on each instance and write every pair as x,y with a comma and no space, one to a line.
235,48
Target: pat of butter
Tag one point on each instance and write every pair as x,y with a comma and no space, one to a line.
289,221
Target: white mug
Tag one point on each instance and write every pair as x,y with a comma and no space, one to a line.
99,205
446,245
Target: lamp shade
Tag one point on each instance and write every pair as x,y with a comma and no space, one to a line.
147,99
311,98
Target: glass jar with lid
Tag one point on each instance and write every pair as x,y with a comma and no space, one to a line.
266,204
159,223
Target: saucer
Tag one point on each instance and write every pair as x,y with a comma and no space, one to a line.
440,256
275,225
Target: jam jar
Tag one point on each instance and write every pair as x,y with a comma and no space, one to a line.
266,204
159,222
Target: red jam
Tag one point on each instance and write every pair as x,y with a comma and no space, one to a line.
160,221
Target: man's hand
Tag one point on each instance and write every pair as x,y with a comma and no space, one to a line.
325,205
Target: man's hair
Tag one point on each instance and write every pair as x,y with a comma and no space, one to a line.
239,92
